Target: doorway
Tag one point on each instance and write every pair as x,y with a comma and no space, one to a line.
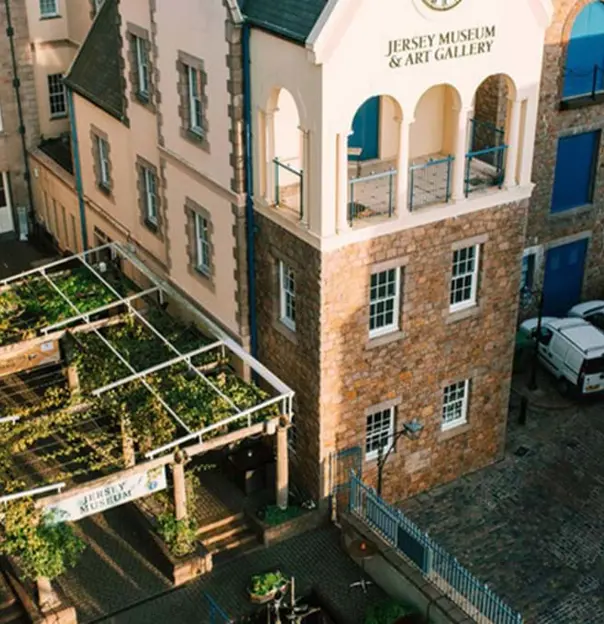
7,223
563,282
365,128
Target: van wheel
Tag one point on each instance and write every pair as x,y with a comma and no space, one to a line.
563,386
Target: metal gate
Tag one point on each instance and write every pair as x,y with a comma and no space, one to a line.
343,464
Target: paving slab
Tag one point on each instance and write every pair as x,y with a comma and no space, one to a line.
532,525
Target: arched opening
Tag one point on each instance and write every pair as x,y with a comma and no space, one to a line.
489,133
284,154
584,71
373,149
433,141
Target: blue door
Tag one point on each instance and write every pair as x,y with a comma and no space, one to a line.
564,266
365,130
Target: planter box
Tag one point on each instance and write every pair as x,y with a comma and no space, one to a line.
63,613
178,569
273,534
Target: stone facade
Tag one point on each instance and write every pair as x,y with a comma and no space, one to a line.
543,227
338,373
11,150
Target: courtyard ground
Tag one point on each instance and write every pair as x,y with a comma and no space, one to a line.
532,525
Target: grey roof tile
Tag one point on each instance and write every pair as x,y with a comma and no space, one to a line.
293,19
96,73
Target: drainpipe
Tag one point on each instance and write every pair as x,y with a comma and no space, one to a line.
10,32
249,189
75,148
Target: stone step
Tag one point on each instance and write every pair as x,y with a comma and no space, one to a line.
240,540
224,533
208,528
12,615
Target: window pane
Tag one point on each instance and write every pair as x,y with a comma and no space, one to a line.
454,409
384,300
378,432
56,95
464,274
48,7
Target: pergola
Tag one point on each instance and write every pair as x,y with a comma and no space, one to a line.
270,414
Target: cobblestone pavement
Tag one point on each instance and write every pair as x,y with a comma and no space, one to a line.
118,582
532,525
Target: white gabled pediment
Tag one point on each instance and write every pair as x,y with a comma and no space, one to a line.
338,15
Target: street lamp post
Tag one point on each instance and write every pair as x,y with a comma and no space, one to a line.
411,430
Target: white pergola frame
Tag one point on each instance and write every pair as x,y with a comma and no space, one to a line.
162,287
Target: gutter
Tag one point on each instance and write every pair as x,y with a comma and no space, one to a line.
77,170
249,189
10,32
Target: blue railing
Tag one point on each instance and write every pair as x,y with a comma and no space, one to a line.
581,84
293,186
485,168
217,615
485,135
437,565
372,195
430,182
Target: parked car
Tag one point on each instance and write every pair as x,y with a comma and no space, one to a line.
591,311
572,350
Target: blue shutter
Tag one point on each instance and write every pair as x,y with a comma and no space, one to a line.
365,130
575,170
585,52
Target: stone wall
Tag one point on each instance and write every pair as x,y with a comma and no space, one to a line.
543,227
11,154
490,107
294,357
436,348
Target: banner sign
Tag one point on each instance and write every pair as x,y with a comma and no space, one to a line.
107,496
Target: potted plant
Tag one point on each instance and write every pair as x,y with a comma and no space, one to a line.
264,587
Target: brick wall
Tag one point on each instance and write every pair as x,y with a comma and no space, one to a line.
11,155
553,123
352,374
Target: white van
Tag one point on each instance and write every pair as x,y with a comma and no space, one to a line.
573,351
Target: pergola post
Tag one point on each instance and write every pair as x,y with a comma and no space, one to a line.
47,599
127,442
180,487
73,379
282,472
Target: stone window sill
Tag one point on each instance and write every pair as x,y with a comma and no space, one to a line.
285,331
44,18
197,138
56,116
570,213
453,432
143,98
104,188
150,225
380,341
582,102
460,315
203,277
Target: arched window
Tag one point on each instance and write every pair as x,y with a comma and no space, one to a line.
584,72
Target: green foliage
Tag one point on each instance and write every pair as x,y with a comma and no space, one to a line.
33,303
273,516
42,549
263,584
179,535
387,612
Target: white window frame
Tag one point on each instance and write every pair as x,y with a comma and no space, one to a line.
202,244
56,95
150,188
1,121
455,403
103,154
377,300
142,66
195,104
371,435
287,296
471,301
53,12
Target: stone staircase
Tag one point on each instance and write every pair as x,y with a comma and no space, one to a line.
228,537
11,611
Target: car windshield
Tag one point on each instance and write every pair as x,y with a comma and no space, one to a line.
594,366
596,319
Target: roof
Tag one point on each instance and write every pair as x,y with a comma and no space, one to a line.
581,333
59,149
589,307
292,19
96,72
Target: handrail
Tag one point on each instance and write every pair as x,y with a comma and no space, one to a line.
487,150
373,176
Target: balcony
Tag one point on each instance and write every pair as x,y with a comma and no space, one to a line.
289,188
